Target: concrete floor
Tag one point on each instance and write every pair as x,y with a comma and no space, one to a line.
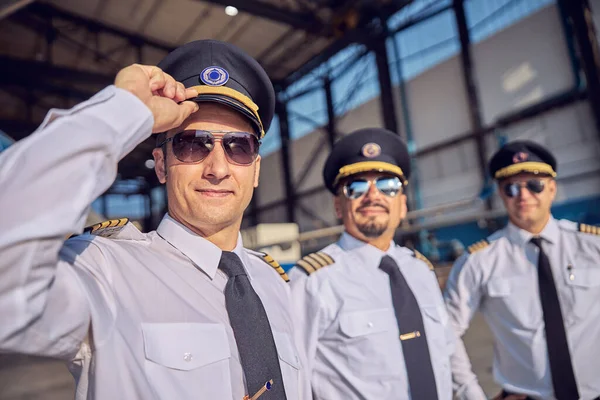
34,378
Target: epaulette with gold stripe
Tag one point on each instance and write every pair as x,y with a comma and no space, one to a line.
314,261
421,257
585,228
482,244
108,228
271,261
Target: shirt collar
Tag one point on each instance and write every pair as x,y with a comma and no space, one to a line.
550,233
368,255
204,254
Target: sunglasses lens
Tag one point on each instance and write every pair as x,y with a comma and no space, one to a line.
535,185
241,147
192,146
354,189
390,186
511,189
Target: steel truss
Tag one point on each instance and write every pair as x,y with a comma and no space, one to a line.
54,83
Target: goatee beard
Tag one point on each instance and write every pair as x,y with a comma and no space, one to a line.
371,230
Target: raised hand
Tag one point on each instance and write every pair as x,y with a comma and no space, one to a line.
164,96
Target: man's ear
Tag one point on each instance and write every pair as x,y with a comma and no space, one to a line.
257,171
337,205
160,165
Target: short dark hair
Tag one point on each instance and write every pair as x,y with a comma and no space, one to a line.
160,139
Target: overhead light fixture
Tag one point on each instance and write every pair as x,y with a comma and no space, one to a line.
231,11
149,164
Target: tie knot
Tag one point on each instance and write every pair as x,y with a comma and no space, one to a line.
231,264
537,241
388,265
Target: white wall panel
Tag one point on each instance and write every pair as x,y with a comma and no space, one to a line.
320,204
308,155
270,186
569,133
525,61
522,64
367,115
274,215
438,104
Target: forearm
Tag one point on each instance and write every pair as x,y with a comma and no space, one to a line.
466,385
50,179
463,296
48,182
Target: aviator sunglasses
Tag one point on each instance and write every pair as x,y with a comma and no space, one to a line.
195,145
535,186
388,185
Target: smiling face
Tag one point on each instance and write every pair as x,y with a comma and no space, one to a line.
210,195
528,210
373,216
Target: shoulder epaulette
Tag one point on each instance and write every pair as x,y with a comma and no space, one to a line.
585,228
482,244
271,261
421,257
314,261
108,228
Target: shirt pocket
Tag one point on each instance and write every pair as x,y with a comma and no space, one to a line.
360,323
514,301
370,342
289,363
185,360
583,278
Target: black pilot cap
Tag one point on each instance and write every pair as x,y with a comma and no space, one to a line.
223,73
366,150
522,156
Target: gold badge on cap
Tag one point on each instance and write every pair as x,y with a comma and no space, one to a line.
371,150
520,157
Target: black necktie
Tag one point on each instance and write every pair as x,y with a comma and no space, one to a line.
412,334
561,369
252,331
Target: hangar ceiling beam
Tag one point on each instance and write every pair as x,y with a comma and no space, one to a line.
286,161
471,89
331,121
581,19
10,6
305,21
386,97
12,69
48,11
358,35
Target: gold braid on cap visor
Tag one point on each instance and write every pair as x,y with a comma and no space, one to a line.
369,166
233,94
531,166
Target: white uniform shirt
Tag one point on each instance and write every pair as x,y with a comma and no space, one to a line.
501,281
349,325
153,303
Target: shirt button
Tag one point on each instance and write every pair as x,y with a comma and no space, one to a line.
370,324
188,357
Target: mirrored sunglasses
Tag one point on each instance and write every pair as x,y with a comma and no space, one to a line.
195,145
535,186
388,185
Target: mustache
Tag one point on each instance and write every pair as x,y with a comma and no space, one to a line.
373,204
